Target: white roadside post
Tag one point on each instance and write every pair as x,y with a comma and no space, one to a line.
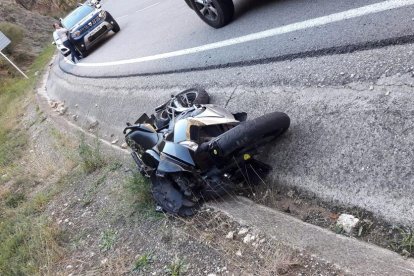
4,41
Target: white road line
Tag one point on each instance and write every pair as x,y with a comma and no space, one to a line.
150,6
324,20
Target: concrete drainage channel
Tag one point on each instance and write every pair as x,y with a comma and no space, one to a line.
346,145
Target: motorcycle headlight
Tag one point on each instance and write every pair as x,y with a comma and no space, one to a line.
76,34
102,14
189,144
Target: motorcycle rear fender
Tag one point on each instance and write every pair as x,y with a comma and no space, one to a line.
170,165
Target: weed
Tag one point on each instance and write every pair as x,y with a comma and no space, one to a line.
140,188
142,262
404,242
91,156
115,166
177,267
13,200
108,239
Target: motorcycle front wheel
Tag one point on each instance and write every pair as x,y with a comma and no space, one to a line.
186,98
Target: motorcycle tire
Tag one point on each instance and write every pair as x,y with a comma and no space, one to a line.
168,196
162,117
253,133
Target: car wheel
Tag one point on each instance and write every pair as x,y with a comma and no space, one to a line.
216,13
115,27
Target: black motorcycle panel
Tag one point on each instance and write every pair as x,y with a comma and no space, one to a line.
151,158
170,165
144,136
178,152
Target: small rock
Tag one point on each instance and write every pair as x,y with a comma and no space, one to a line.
243,231
347,222
291,193
114,141
262,240
76,105
371,87
104,261
36,73
230,235
342,73
239,253
212,274
388,92
66,220
69,266
96,105
62,110
75,117
93,125
248,238
124,145
352,75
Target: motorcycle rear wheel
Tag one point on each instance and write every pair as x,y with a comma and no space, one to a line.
252,134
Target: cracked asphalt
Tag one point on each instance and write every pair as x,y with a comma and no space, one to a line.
351,141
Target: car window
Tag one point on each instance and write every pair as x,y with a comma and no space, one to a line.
77,15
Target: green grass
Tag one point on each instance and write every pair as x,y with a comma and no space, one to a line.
176,268
143,261
108,239
140,188
12,93
29,243
404,242
90,155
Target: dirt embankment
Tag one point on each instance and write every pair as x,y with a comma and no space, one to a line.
30,30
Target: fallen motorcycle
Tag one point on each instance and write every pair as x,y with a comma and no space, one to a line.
194,151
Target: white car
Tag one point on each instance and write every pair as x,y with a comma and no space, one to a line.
59,45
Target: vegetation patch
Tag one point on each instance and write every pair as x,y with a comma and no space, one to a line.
177,267
29,242
140,188
108,239
143,262
90,155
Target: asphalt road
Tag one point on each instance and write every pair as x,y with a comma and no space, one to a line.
153,27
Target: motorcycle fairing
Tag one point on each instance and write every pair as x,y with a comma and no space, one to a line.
212,115
170,165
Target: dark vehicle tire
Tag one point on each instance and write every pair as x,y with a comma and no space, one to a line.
167,195
188,98
252,134
188,3
115,27
216,13
84,53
